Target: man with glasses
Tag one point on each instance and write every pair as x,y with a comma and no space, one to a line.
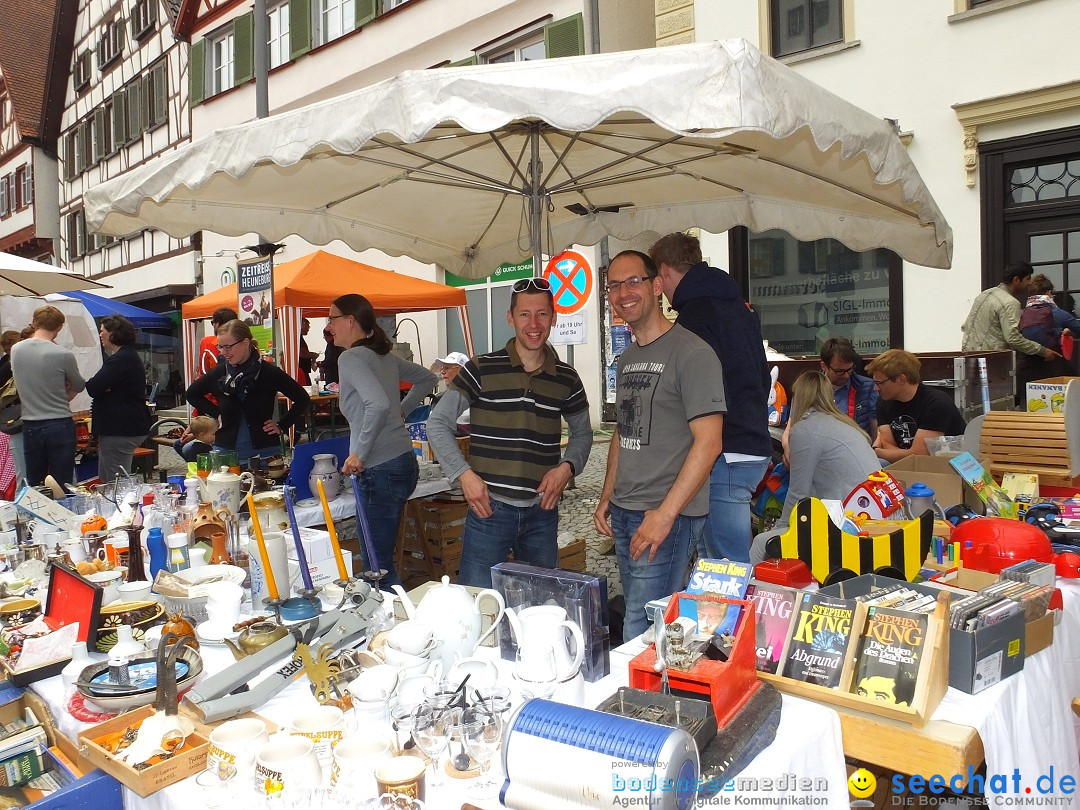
853,393
516,472
670,405
909,412
710,305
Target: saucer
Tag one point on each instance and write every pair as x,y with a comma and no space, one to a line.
308,502
214,634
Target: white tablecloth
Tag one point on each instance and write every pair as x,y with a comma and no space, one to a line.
344,505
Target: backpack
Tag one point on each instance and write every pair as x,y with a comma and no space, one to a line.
1037,323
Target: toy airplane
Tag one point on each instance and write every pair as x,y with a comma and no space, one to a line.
813,538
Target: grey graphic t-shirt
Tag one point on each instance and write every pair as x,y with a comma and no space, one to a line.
660,388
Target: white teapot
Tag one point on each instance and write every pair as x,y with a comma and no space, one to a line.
223,489
454,616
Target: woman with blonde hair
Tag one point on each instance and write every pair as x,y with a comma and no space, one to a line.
829,454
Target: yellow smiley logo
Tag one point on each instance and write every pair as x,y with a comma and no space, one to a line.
862,783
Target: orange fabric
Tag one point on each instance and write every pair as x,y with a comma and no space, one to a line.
311,282
208,354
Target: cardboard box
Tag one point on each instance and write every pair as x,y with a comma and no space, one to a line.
323,571
190,760
980,658
317,545
1039,634
936,472
423,450
1047,395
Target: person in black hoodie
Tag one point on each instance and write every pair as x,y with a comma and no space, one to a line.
119,416
710,306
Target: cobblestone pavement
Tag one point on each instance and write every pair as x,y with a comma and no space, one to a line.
575,510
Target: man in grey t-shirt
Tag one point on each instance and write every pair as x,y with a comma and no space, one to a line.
47,377
670,405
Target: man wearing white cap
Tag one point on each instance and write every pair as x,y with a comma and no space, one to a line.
449,367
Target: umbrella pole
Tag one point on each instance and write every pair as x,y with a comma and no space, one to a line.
536,201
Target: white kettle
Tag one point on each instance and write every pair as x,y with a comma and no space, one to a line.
223,489
453,614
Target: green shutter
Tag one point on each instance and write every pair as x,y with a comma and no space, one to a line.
464,62
197,72
565,37
97,147
151,13
156,95
299,27
119,120
366,11
243,48
136,118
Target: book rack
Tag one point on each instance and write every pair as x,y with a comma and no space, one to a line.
930,685
728,684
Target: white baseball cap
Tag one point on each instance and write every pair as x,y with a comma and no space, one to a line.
454,359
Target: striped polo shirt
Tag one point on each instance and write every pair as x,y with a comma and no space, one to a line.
517,418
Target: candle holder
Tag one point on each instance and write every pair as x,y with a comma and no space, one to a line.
274,605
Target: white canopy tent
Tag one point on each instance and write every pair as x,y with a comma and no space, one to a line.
469,167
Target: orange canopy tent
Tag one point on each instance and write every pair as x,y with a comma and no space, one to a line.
306,286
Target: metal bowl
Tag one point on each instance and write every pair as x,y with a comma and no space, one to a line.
114,699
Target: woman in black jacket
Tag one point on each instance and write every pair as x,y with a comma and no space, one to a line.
120,417
246,388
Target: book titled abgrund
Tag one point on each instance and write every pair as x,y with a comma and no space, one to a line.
821,632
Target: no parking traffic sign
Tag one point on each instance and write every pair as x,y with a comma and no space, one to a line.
571,280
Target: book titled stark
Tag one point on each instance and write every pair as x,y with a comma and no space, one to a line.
820,634
890,650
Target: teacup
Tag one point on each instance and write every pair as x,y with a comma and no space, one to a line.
355,760
481,673
411,688
234,746
286,761
401,776
383,676
323,725
410,637
403,660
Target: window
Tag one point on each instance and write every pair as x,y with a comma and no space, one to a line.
5,209
156,95
111,43
12,192
143,18
389,4
487,300
279,35
221,62
524,51
333,18
80,72
76,234
800,25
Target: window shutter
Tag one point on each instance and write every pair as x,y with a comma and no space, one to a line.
366,11
98,145
69,156
119,120
472,60
134,106
243,50
197,72
299,27
3,197
159,95
28,184
72,237
565,37
151,13
80,137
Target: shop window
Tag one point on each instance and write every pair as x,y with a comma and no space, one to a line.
802,25
278,42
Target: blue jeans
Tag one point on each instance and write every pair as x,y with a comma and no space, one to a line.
529,530
643,581
731,487
384,489
49,449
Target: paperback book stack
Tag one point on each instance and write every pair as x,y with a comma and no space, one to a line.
28,767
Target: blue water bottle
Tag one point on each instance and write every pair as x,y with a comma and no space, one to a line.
159,554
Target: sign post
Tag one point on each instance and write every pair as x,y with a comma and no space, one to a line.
571,280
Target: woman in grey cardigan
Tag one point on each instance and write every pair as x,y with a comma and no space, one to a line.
380,448
829,454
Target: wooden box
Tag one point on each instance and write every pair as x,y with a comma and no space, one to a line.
572,555
190,760
931,684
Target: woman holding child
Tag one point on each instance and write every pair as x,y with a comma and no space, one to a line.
246,388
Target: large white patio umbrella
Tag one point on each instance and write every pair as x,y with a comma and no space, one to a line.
473,166
19,276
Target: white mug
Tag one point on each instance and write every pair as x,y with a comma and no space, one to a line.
197,557
323,725
355,760
223,603
286,761
110,582
233,747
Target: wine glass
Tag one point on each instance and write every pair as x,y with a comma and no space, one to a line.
402,718
431,731
535,671
481,730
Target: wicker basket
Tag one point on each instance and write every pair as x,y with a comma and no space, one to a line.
193,608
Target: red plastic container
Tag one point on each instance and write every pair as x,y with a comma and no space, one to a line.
790,573
991,544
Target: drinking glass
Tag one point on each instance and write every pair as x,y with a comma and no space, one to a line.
535,670
440,693
431,730
204,464
481,729
402,718
497,696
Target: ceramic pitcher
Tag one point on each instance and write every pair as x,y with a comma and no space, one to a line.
325,468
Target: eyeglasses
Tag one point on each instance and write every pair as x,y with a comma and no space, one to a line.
879,383
631,284
330,318
228,347
842,372
535,283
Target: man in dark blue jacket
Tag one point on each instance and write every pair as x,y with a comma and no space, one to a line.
710,306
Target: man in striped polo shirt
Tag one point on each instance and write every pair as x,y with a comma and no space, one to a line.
516,472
